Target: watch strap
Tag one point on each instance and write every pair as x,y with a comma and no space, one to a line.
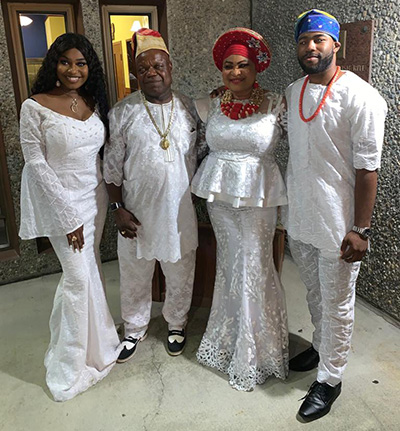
116,205
365,232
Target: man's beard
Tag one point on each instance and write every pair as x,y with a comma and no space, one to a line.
321,66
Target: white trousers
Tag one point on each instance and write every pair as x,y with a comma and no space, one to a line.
136,288
330,284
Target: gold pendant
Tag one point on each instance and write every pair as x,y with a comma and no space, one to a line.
74,106
164,144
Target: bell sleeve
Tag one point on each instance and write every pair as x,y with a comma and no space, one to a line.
45,205
114,151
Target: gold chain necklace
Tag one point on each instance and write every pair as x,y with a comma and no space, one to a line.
164,144
74,104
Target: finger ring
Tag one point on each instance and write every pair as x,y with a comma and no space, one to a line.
74,238
123,232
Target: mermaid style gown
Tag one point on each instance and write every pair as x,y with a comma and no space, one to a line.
247,333
62,188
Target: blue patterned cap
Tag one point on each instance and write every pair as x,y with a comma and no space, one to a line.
316,20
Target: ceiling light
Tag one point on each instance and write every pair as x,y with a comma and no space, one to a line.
136,26
25,20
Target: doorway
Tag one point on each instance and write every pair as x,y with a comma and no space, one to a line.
119,25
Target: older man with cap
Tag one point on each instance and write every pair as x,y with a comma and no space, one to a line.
149,163
336,128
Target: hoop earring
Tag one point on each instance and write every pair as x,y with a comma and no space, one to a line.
58,83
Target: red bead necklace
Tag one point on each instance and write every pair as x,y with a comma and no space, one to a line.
237,110
322,103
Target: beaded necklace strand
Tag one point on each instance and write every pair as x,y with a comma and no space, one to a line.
237,110
323,101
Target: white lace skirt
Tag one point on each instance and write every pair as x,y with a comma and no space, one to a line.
84,343
247,333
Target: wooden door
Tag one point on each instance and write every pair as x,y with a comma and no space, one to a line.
119,70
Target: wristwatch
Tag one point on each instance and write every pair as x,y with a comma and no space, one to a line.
116,205
365,232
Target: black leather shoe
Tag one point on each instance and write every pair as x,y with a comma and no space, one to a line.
305,361
129,348
318,401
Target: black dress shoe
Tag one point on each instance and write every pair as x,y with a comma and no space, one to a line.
129,348
305,361
318,401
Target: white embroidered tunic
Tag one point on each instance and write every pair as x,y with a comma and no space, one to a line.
240,168
156,191
346,135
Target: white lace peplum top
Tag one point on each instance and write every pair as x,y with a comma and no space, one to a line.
240,168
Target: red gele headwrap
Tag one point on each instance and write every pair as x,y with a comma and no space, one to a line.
257,49
148,32
145,39
240,49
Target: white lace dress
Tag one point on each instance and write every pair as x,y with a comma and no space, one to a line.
61,189
247,334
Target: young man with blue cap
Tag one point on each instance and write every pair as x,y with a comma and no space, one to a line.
336,129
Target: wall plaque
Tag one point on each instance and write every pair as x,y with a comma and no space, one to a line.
355,54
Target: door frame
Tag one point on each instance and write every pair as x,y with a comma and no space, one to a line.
106,11
16,37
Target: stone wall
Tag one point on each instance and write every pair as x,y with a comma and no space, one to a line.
379,278
193,27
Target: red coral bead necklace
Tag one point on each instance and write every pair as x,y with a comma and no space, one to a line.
238,110
323,101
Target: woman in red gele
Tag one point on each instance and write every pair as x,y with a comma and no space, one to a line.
247,334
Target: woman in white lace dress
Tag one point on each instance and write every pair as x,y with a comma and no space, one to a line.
63,197
247,334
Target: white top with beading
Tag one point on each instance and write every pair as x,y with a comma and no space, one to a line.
240,168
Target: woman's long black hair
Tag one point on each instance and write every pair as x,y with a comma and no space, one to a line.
95,86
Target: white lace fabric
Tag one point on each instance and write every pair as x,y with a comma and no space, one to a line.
240,168
54,170
331,288
247,332
346,135
62,189
246,335
155,190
